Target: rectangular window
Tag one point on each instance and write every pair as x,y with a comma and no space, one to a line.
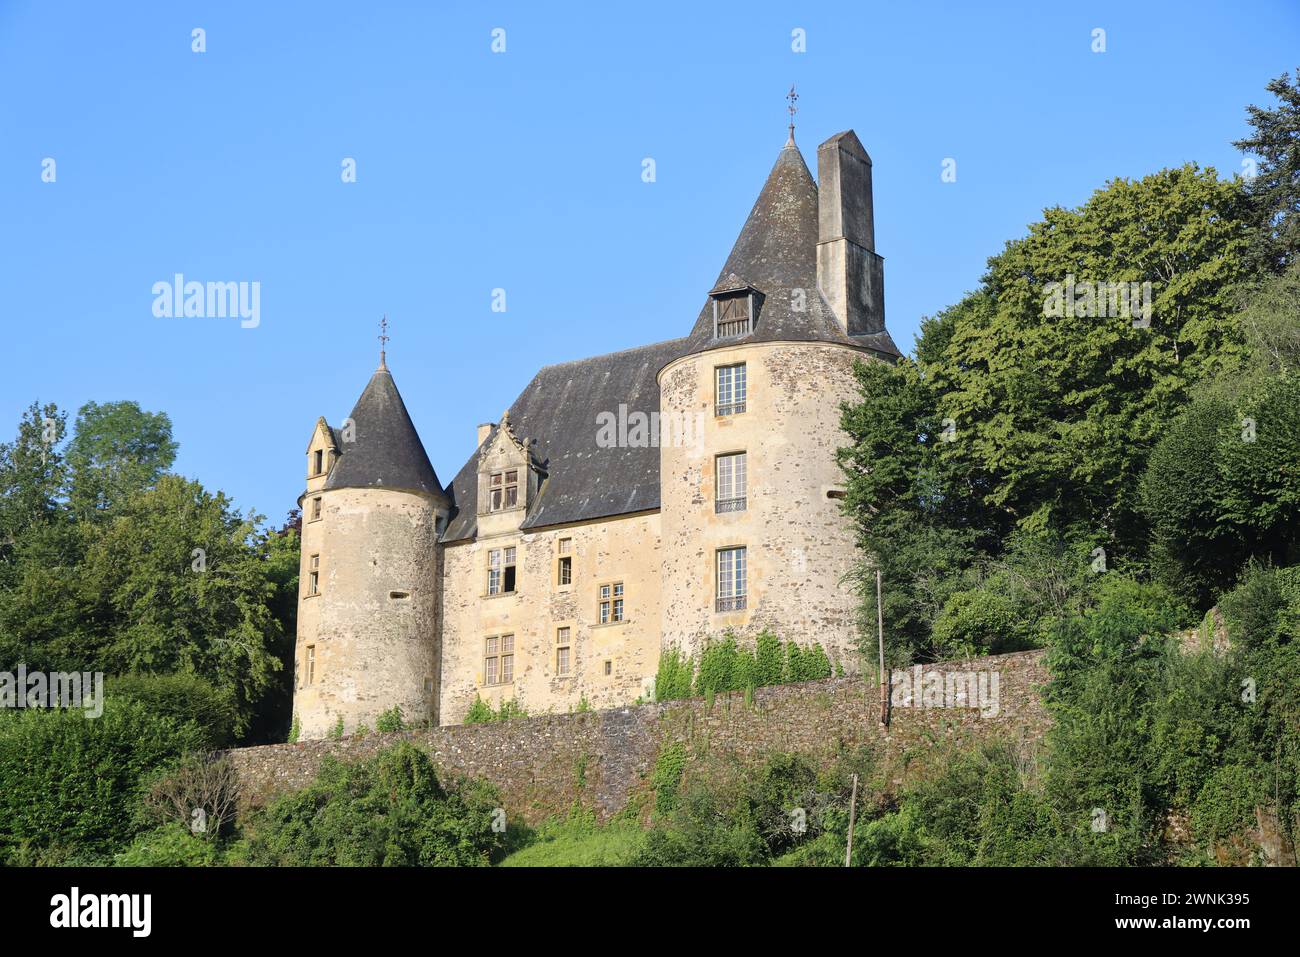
503,490
731,483
499,660
729,395
501,571
313,576
611,603
507,658
311,664
318,462
609,668
563,649
732,580
315,509
564,566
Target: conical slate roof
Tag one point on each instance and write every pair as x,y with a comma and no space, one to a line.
776,254
385,451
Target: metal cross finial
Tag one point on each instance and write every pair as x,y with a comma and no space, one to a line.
383,341
792,96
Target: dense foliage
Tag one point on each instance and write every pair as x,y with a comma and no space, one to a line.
724,664
388,811
70,786
110,563
1026,449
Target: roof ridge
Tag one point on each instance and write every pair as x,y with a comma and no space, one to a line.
607,355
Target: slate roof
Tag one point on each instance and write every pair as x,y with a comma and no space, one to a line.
776,253
557,415
386,451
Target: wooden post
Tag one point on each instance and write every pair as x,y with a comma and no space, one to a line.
853,810
880,638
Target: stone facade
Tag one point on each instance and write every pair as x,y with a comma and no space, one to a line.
364,634
624,549
798,543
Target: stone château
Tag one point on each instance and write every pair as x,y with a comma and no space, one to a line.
624,504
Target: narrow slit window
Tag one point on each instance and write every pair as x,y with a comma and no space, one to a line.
563,651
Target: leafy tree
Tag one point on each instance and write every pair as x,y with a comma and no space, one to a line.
181,580
31,474
1223,486
117,449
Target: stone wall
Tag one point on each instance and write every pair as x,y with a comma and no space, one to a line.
543,764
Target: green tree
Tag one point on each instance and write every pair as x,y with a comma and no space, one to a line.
117,449
1274,191
181,582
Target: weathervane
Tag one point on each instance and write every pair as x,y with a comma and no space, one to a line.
792,96
383,341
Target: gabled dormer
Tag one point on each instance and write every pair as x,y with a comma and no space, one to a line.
509,476
322,453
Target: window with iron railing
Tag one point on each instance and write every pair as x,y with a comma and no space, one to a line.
732,579
731,483
729,390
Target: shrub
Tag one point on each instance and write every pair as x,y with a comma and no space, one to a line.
70,785
390,720
199,783
172,845
389,810
676,676
979,622
181,697
481,712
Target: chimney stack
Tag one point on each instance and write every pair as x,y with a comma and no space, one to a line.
850,274
483,431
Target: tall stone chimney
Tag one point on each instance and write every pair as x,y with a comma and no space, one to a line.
850,274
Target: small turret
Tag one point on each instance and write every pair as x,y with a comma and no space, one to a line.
369,602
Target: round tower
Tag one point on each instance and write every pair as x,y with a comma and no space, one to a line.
753,534
369,600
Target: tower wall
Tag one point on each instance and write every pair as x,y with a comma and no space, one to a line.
370,633
799,544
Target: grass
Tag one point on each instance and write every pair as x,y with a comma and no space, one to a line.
578,841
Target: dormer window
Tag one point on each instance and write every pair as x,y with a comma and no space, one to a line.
733,315
503,490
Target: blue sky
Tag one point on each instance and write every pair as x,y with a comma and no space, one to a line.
522,171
